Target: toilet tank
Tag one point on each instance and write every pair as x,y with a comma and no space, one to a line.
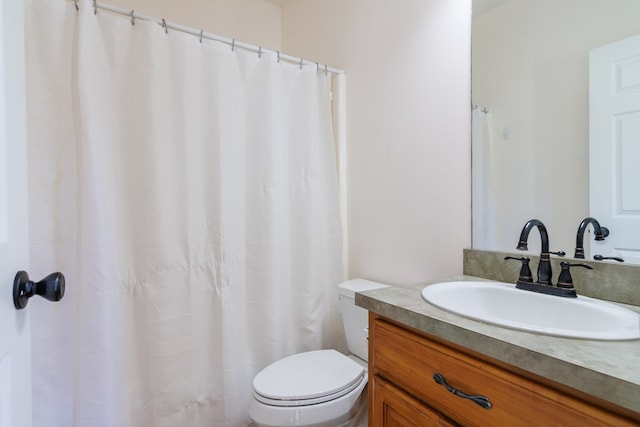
356,319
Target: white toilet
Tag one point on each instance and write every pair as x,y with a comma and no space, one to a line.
318,388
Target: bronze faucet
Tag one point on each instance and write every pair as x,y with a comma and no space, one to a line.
564,288
599,232
544,266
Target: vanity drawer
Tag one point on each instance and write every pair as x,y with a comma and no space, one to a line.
409,361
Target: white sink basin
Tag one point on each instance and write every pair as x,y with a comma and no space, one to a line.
503,305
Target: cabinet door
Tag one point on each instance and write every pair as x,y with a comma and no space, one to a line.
394,408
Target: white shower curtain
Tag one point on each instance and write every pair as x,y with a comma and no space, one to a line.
189,194
483,200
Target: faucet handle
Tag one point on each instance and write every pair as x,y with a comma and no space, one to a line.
559,253
565,280
601,258
525,272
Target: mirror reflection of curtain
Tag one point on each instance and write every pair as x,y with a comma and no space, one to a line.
483,203
189,194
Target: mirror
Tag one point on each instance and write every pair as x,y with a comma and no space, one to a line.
530,84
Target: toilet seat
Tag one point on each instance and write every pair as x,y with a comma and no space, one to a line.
308,378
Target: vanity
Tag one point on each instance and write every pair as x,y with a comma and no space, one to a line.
430,367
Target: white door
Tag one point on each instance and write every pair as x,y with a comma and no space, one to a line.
15,339
614,114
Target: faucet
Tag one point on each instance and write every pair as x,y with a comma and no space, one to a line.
599,232
544,266
564,288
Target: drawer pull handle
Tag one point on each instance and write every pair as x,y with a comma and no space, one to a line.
480,400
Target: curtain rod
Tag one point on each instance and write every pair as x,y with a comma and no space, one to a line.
201,34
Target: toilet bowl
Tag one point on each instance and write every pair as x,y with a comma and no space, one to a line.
319,388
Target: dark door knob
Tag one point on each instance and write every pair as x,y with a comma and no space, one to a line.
51,288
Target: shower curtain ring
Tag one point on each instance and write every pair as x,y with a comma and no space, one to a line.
326,70
133,18
164,25
95,7
77,7
278,52
233,45
259,52
301,60
201,33
317,67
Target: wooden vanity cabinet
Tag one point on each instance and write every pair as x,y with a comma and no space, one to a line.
403,392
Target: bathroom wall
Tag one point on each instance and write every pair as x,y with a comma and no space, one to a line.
408,95
408,115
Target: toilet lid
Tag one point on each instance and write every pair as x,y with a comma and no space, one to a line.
308,378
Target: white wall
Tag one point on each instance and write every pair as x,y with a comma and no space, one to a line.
530,68
408,96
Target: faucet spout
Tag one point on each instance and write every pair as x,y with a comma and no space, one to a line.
599,232
544,266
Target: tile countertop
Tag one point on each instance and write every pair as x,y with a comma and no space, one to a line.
609,370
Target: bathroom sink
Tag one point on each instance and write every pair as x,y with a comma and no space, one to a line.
503,305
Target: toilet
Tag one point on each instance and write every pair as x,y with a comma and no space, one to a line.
319,388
